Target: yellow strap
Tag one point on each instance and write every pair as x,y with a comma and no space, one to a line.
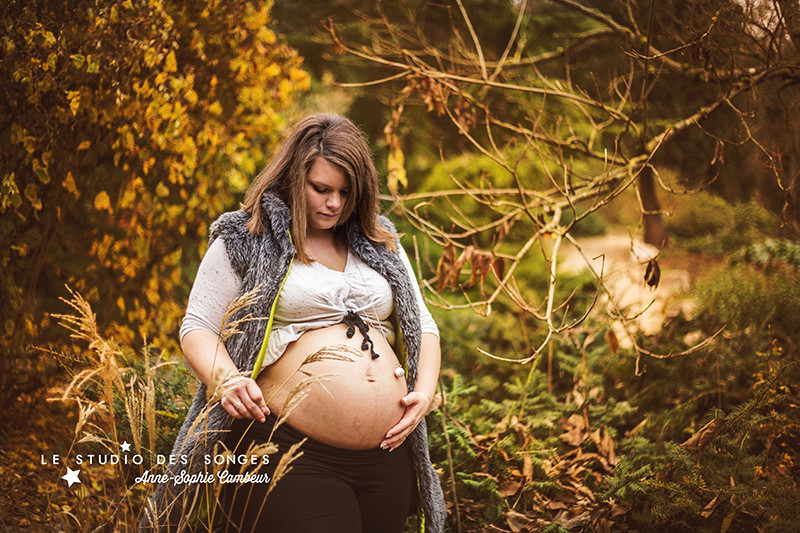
263,350
421,519
400,348
420,508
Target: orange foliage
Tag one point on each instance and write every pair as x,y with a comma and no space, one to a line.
127,126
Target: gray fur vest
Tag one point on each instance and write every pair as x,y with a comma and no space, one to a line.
263,261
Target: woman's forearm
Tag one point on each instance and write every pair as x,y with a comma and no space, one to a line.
430,360
206,354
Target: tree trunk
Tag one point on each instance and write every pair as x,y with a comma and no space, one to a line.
654,231
790,9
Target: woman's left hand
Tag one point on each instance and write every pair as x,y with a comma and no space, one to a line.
417,405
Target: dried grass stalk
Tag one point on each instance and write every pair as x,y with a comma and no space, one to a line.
229,328
299,393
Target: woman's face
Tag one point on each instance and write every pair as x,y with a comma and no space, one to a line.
327,188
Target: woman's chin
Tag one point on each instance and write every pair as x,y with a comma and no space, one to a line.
322,226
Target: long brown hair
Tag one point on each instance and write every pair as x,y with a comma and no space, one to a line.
340,142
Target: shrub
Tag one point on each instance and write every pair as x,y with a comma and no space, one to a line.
710,225
753,300
769,252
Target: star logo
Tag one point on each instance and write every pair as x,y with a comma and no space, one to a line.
126,446
71,476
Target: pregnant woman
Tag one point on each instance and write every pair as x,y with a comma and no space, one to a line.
335,295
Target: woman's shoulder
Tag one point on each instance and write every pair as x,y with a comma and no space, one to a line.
230,228
386,223
233,224
389,225
230,225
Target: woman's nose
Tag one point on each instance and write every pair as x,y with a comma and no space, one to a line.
334,201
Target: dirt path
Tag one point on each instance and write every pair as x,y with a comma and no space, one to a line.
623,260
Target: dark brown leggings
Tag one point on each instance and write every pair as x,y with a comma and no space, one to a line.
328,490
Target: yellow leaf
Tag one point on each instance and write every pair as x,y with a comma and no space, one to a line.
102,202
165,110
49,39
128,198
21,249
93,64
84,145
237,180
727,521
43,175
40,171
74,101
273,71
152,297
285,90
171,65
150,56
51,62
396,160
147,165
215,108
127,138
162,190
32,194
191,96
301,78
69,184
78,60
397,171
267,35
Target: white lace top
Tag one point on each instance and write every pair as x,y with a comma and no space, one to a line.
313,296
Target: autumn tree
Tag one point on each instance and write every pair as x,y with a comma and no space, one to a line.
127,126
579,102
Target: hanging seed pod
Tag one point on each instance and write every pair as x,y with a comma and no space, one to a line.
652,275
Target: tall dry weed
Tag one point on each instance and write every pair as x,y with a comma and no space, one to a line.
109,396
113,398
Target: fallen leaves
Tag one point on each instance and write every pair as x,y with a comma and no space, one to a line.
575,477
705,435
519,522
574,505
605,445
709,508
576,430
509,488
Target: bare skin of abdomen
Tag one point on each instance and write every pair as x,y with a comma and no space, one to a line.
355,404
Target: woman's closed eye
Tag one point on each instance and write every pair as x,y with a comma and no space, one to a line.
320,190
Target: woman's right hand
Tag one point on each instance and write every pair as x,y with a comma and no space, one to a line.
239,395
244,399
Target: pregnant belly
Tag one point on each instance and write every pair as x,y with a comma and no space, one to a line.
340,395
